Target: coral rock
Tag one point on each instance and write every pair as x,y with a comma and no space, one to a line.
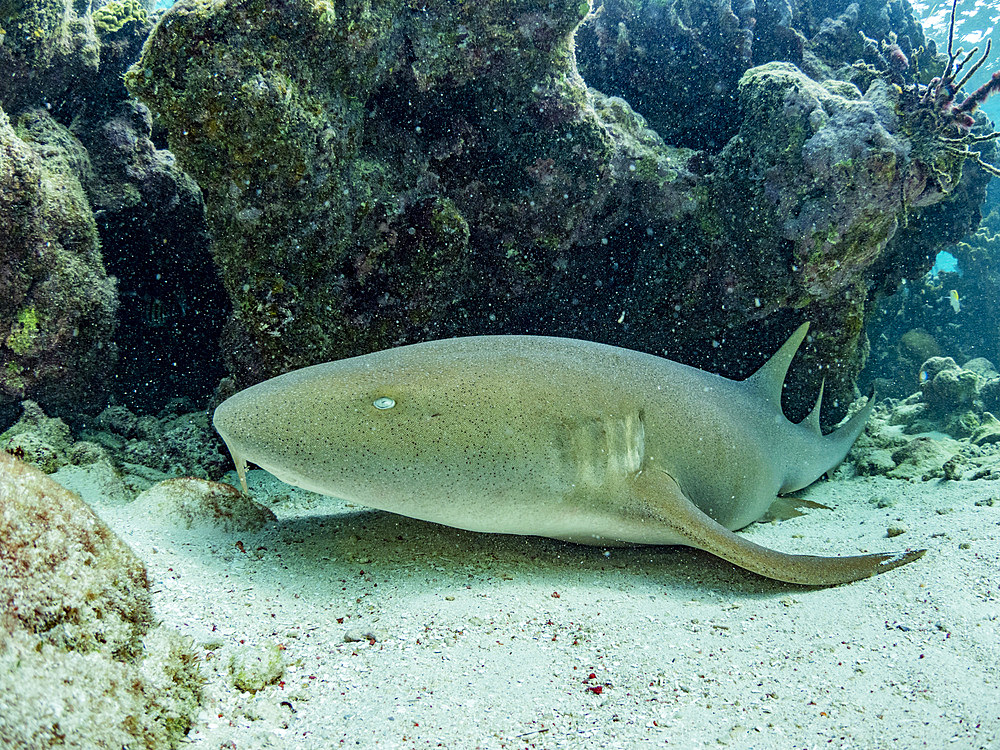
57,303
65,575
79,666
198,503
945,386
255,667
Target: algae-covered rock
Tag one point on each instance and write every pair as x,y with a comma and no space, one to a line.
833,164
68,56
874,462
118,451
341,155
964,423
983,367
174,443
811,184
945,430
79,665
949,306
988,431
922,458
53,698
114,15
46,50
255,667
679,61
38,439
48,444
949,400
945,386
65,576
57,303
178,444
197,503
908,411
95,474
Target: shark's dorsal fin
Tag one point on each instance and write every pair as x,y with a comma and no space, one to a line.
768,380
812,421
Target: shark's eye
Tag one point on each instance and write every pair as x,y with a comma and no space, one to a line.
383,403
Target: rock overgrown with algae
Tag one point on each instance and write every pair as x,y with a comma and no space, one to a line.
679,62
49,53
57,303
946,430
131,452
80,664
63,92
66,577
176,442
476,187
376,176
42,441
113,16
189,503
253,667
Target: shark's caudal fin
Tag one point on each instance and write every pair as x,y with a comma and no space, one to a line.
815,454
659,490
812,457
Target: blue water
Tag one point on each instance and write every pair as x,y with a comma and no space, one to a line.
945,262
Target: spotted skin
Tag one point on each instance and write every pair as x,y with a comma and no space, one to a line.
552,437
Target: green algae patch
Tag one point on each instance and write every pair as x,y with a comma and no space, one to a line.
10,378
25,331
116,15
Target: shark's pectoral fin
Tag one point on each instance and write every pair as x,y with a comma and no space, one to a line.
658,490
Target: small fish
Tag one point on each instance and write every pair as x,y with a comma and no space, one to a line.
953,298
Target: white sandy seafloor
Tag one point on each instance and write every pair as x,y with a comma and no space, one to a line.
489,641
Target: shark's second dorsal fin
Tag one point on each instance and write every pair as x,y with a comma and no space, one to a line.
813,419
768,380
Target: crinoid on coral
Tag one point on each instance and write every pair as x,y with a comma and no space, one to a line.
954,120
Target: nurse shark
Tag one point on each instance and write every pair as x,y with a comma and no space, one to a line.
552,437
